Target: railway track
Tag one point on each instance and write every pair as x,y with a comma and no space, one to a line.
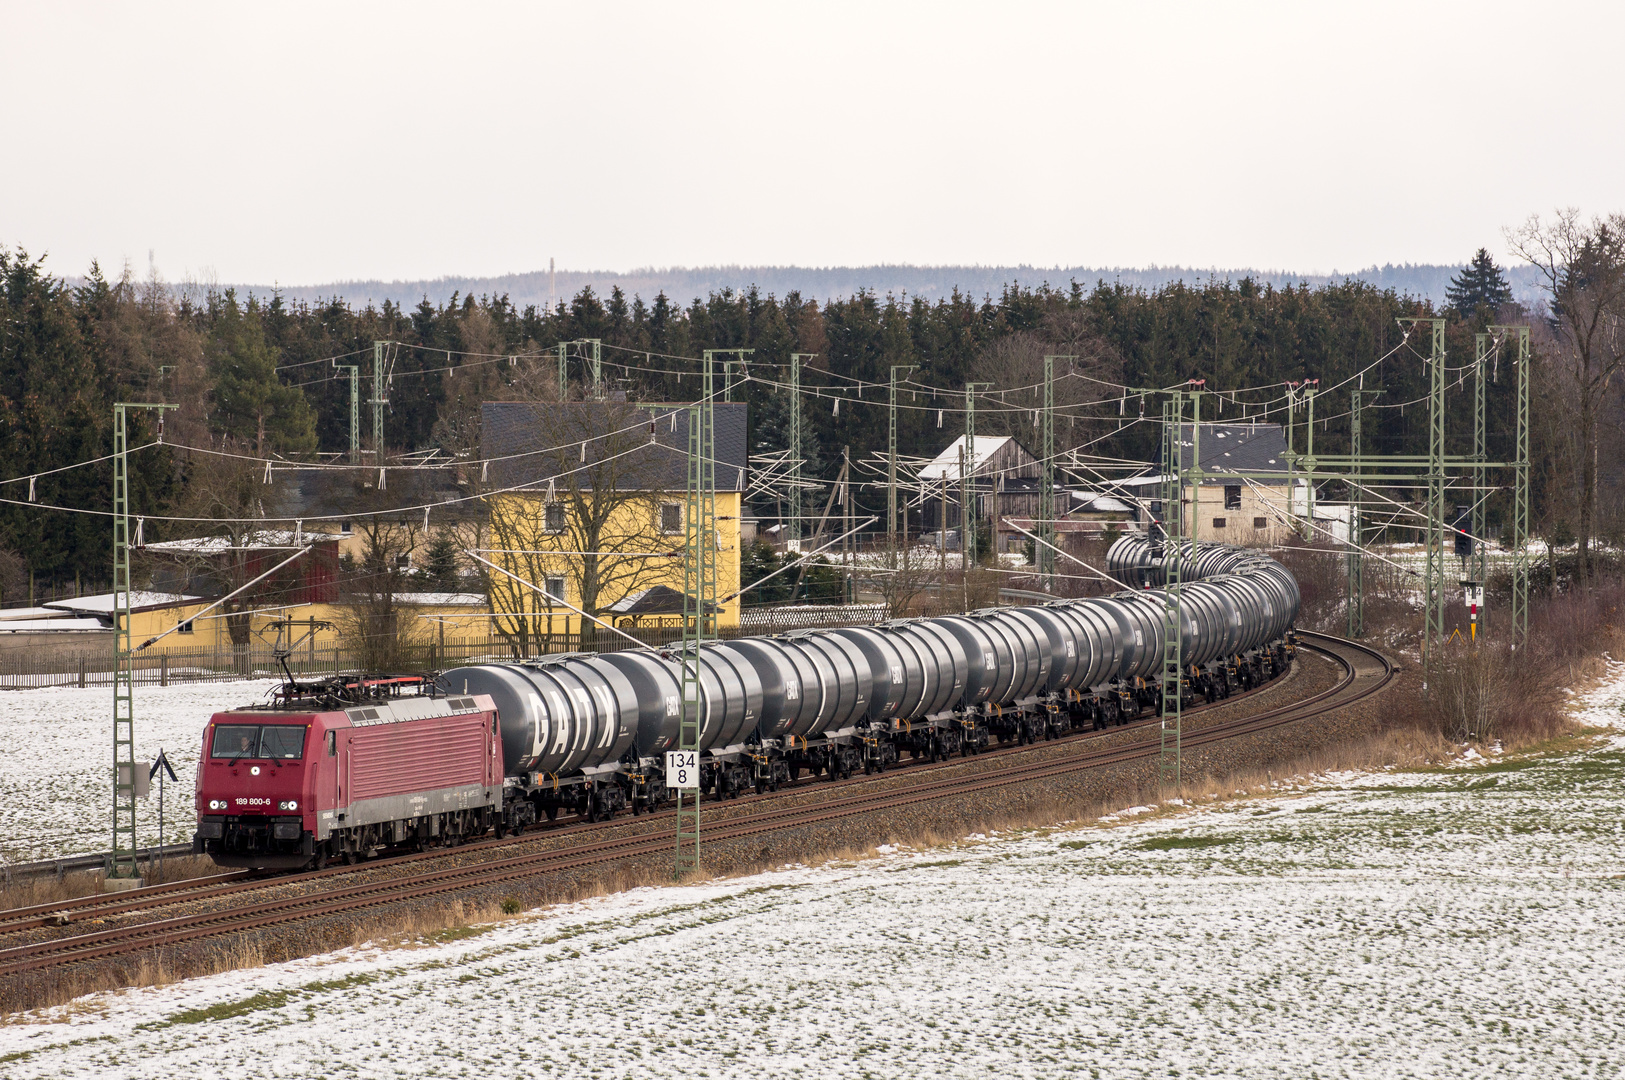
1365,671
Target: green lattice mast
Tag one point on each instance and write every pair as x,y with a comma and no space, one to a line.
123,863
699,602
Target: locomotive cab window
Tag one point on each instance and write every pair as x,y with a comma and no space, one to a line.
279,742
285,742
235,741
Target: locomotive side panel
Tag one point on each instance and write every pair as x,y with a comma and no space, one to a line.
413,769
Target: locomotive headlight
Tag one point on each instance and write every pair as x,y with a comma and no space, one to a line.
290,804
217,804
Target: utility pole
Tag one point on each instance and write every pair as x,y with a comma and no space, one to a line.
1356,554
891,462
728,367
1291,454
595,366
699,604
1433,578
849,546
964,519
942,550
795,447
1484,345
1046,480
355,409
564,372
1171,695
378,400
123,866
967,481
1310,386
1520,492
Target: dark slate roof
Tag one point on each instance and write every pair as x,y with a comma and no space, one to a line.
1246,447
655,600
521,440
334,492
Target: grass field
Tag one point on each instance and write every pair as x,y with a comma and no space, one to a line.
1459,922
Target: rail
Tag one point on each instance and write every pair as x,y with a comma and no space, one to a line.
1365,671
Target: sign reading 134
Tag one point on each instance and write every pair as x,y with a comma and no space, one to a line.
683,769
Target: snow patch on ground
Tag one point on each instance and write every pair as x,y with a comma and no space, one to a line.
1442,923
58,763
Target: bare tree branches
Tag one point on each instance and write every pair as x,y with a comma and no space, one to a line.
1583,269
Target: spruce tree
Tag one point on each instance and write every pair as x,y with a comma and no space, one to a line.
1480,284
252,404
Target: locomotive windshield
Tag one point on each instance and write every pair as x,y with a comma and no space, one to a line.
282,742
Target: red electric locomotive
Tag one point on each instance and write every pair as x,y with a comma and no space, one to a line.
344,768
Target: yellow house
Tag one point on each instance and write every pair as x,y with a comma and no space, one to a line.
305,603
151,613
186,622
587,503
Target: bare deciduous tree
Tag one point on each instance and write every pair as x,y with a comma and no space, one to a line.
601,519
229,491
1582,265
377,629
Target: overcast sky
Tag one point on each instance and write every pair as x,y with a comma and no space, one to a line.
297,144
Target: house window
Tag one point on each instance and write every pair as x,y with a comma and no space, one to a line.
555,517
554,587
671,517
1218,523
344,528
403,561
1232,496
1259,523
186,627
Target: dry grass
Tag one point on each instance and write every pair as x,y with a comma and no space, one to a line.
1489,693
67,984
49,889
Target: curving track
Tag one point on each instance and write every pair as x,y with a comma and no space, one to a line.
1365,671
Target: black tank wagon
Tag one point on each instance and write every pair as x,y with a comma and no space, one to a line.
586,733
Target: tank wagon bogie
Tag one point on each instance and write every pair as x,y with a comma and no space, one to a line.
586,734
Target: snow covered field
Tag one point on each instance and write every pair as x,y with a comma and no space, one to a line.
1466,922
57,771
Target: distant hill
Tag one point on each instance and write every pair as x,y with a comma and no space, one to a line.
822,283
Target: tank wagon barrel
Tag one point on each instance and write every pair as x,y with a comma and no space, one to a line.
350,766
588,732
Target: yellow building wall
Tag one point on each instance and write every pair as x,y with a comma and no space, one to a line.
149,624
506,509
424,621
